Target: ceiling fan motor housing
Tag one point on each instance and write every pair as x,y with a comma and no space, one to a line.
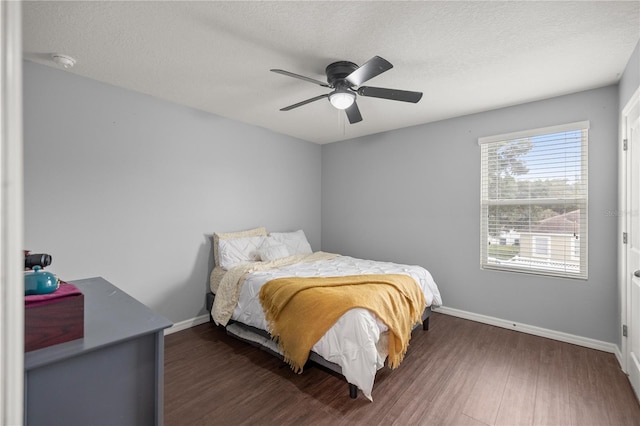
338,71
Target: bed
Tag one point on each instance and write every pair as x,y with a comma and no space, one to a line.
358,343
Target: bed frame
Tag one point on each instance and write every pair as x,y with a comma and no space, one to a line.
261,338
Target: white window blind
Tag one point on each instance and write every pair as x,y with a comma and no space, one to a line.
534,196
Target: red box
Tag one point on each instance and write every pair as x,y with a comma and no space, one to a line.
54,318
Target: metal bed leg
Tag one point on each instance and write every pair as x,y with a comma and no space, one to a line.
353,391
425,324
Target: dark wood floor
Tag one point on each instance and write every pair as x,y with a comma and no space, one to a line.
458,373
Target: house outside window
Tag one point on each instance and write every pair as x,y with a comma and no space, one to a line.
575,249
534,188
540,246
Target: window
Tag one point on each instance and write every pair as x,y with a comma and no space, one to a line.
540,246
534,189
575,249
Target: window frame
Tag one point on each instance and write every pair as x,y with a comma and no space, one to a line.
567,268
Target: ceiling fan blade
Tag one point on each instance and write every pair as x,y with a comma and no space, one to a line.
393,94
290,107
373,67
301,77
353,113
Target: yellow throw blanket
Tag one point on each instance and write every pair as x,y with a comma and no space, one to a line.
301,310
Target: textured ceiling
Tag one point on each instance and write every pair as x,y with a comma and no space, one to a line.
465,57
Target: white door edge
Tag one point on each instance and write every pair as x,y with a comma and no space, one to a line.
629,115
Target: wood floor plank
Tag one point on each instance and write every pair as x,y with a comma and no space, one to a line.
485,397
464,369
553,398
437,360
615,389
518,401
464,420
455,368
587,400
445,408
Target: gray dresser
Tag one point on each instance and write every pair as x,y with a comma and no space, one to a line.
112,376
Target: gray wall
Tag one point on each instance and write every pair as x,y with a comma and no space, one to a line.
413,196
130,188
630,80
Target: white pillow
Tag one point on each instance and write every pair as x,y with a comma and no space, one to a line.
217,237
272,250
296,242
236,251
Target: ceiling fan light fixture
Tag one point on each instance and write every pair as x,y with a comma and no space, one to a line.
342,99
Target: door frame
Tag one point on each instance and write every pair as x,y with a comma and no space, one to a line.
623,225
11,216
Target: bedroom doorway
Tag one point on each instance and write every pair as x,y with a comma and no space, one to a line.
11,217
631,218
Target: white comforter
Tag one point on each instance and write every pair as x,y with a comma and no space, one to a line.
354,341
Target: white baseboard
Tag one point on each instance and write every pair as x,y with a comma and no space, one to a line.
524,328
618,355
536,331
183,325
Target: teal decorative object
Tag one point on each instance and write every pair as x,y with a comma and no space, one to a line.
40,282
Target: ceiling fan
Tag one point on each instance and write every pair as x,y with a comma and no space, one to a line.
346,78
